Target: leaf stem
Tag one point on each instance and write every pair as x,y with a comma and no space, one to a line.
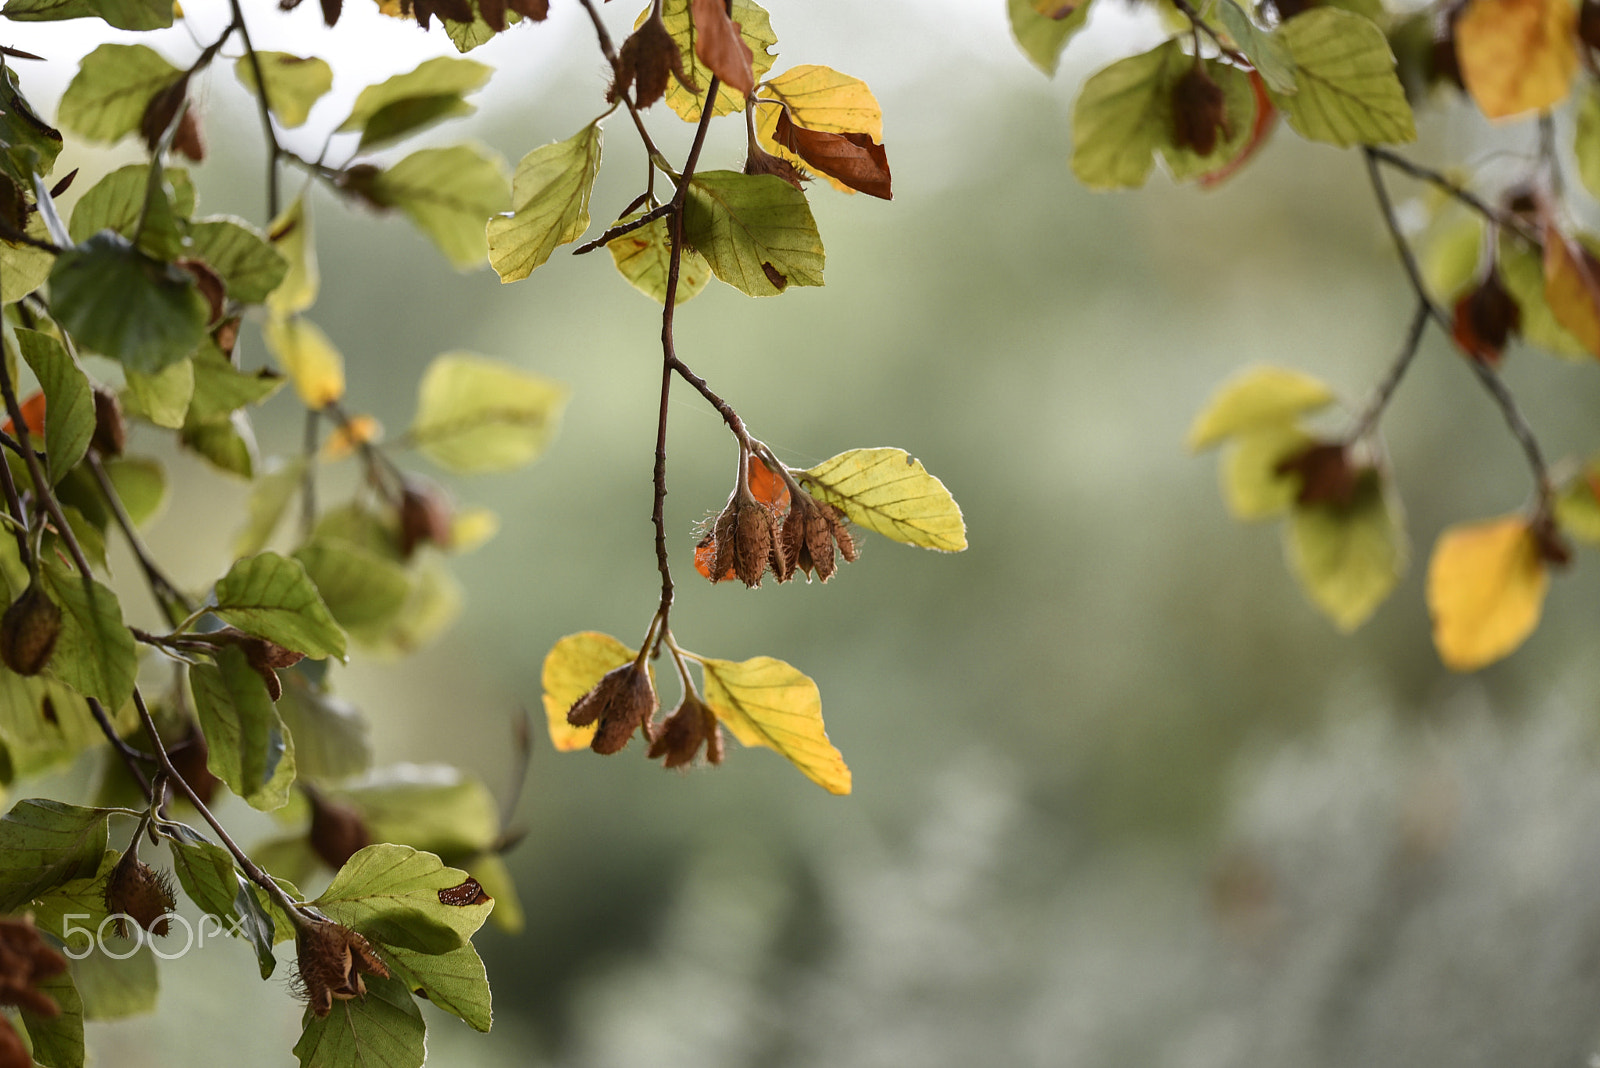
172,600
1439,181
1368,420
264,106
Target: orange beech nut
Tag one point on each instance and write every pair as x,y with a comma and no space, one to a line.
331,961
32,416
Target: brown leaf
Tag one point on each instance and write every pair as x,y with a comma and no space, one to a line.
1484,320
187,142
1572,287
648,58
162,109
537,10
853,158
424,10
1326,474
494,13
210,285
720,46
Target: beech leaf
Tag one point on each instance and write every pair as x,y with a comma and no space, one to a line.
1572,288
1348,557
1043,38
718,45
45,843
549,202
852,158
755,32
1517,55
1347,91
571,668
247,745
643,256
478,414
294,83
889,491
114,85
384,1029
1254,399
766,702
1486,587
95,653
756,231
69,409
448,193
312,362
272,597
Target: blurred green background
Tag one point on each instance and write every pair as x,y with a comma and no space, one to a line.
1121,795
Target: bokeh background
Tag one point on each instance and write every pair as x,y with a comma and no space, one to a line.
1121,795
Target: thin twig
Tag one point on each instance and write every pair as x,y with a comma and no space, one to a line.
274,150
611,58
624,228
130,756
1368,420
1444,184
165,591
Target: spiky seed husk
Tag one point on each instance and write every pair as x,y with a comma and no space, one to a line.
753,543
620,703
724,535
690,726
759,161
839,527
136,891
28,631
819,542
332,960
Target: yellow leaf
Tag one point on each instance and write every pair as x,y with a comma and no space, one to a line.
1252,487
1517,55
890,492
571,669
313,364
291,235
1571,289
821,98
1253,399
1486,586
360,430
472,527
767,702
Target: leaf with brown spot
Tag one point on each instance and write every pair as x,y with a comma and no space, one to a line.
853,158
719,45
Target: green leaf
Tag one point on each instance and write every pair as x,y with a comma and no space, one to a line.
405,117
448,193
755,26
455,981
294,83
44,844
1123,114
24,268
108,96
402,882
1522,271
430,807
766,702
123,14
382,1030
120,303
434,604
1267,53
82,899
118,201
756,231
142,485
248,746
28,145
549,204
1348,91
43,724
1252,486
258,924
57,1040
204,870
95,653
1254,399
890,492
91,539
1043,39
163,398
469,35
272,597
643,257
1348,558
249,266
331,736
69,400
269,500
476,414
220,388
444,76
360,588
228,444
113,989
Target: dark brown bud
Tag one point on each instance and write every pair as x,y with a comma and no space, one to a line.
26,960
1554,549
28,631
1443,63
1199,110
265,658
1485,319
1589,23
332,960
162,109
189,756
425,516
136,891
620,703
110,431
646,59
361,182
759,161
1327,475
337,830
187,141
210,285
690,726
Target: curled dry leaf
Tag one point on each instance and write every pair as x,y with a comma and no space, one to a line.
855,159
647,58
1485,319
720,46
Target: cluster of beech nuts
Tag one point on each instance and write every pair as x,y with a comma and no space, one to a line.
781,527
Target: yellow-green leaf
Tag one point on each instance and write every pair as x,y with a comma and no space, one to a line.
443,76
294,83
754,26
272,597
1254,399
1348,92
163,398
890,492
448,193
1121,116
643,256
1486,587
1252,486
477,414
756,231
1522,271
571,669
312,362
821,98
1041,38
69,408
291,234
770,703
1517,55
1586,140
114,84
1572,290
1348,558
549,202
1578,506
